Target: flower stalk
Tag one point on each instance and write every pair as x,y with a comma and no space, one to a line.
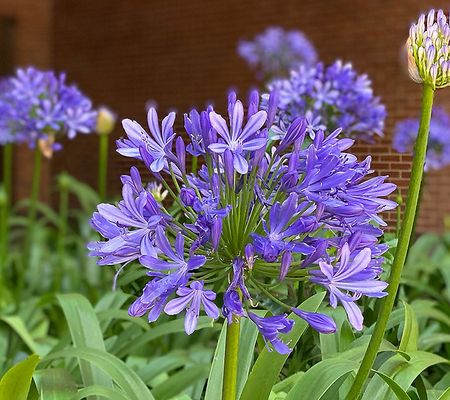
102,165
35,186
7,169
62,229
403,243
231,361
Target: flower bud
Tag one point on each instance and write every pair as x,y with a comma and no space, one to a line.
428,50
187,196
106,120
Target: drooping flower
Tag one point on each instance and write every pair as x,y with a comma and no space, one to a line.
438,149
275,52
192,299
333,97
270,329
40,106
349,280
428,50
320,322
260,214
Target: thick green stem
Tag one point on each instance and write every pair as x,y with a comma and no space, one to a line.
62,232
102,165
35,187
231,361
402,245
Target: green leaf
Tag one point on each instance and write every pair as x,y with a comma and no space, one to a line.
180,381
445,395
17,324
55,384
267,367
315,383
99,391
15,384
86,333
164,329
399,392
410,333
402,371
120,373
215,379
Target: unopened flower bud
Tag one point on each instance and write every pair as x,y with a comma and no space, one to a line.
428,50
106,120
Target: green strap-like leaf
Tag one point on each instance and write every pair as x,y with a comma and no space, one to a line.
399,392
55,384
86,333
130,383
410,333
15,384
99,391
180,381
315,383
267,367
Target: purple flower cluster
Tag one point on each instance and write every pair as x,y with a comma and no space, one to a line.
38,105
274,52
438,150
333,97
258,215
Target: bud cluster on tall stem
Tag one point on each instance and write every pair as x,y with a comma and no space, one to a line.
402,245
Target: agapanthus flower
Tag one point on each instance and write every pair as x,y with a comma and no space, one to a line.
333,96
428,50
39,106
438,149
276,51
259,215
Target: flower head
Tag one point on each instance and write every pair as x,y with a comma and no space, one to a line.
40,106
261,214
275,52
329,98
428,50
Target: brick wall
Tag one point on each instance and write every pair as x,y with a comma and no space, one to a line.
182,54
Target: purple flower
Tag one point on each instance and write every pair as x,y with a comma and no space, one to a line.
275,51
270,329
177,258
38,104
438,149
232,302
297,209
192,299
274,242
238,140
320,322
330,97
349,280
158,145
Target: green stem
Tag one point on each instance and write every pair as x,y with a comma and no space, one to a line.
102,165
62,232
35,186
402,245
231,361
7,170
5,203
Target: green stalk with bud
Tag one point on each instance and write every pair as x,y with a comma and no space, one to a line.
429,64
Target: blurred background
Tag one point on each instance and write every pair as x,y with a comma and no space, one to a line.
180,54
